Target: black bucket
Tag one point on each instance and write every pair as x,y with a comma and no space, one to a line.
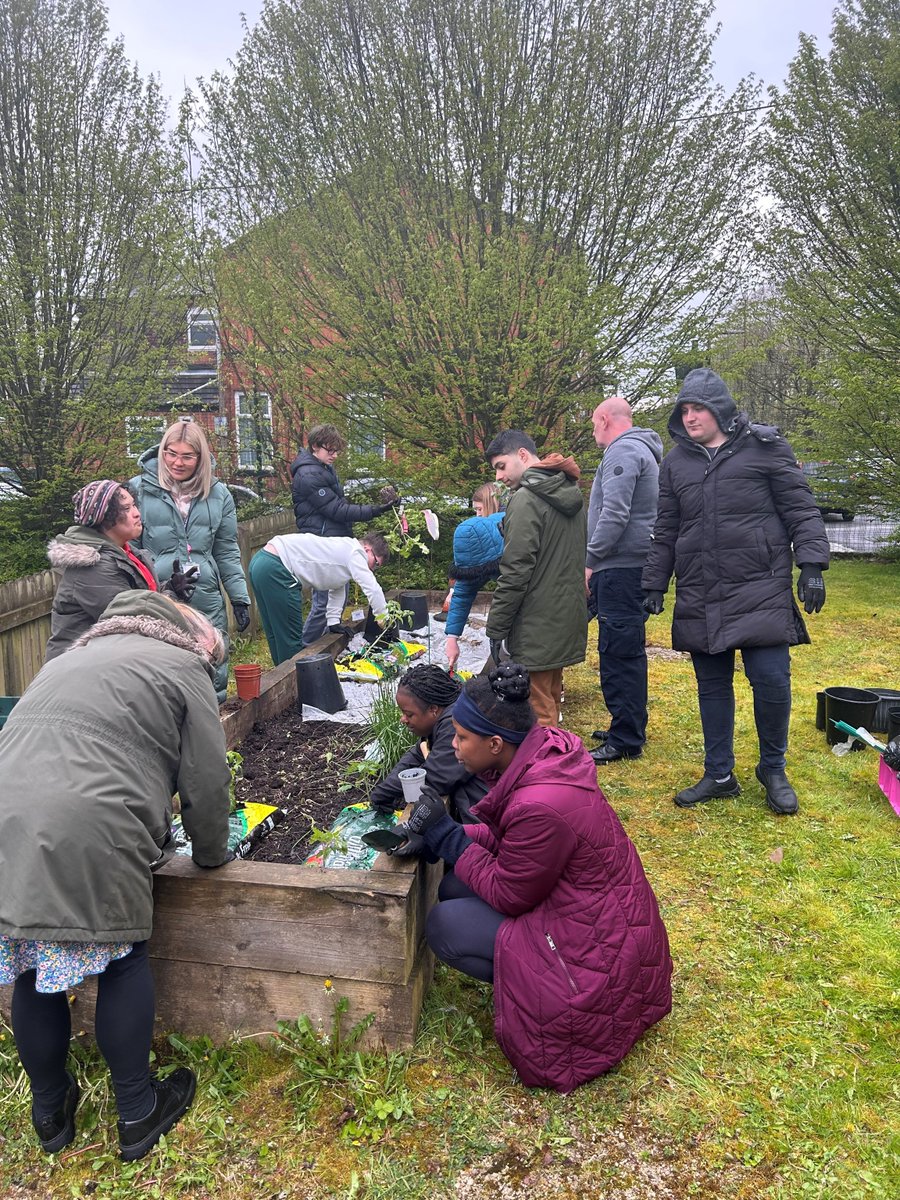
888,698
893,724
373,632
416,604
318,684
820,710
854,706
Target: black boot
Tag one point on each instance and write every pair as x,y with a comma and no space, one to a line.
55,1133
708,789
172,1099
780,796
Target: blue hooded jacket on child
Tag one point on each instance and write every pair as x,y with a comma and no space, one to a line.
477,550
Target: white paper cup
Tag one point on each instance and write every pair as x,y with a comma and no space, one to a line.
412,781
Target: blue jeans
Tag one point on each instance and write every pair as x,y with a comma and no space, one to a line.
768,669
623,654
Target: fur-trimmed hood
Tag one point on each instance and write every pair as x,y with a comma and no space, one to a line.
79,546
149,615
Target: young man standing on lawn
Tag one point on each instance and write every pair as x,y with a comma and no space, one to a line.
621,515
539,607
287,562
320,506
732,504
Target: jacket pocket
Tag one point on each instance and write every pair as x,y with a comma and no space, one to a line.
558,958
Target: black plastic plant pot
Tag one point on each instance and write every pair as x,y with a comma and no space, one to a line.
853,706
373,632
893,723
820,710
318,684
416,604
888,698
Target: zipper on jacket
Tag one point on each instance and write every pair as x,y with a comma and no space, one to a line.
562,962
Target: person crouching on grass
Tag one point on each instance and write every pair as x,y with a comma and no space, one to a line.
286,563
547,898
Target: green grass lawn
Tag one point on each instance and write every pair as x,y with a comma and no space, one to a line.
775,1075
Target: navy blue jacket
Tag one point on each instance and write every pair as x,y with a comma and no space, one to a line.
319,503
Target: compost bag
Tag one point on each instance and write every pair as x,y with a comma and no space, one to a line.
247,825
345,847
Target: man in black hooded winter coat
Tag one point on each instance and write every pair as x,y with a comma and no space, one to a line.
733,502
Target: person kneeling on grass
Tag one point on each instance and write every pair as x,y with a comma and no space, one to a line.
286,563
426,695
547,899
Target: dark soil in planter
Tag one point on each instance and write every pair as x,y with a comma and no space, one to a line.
297,766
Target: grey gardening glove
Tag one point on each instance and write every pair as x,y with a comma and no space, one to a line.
653,602
241,616
811,587
182,583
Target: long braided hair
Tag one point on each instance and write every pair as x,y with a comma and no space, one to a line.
430,684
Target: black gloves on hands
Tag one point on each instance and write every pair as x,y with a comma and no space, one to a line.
427,811
653,602
182,583
496,645
347,630
412,847
811,587
389,496
229,857
891,754
241,616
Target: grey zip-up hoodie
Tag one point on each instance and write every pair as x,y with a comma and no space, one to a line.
624,496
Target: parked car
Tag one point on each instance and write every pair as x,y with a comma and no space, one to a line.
10,484
832,488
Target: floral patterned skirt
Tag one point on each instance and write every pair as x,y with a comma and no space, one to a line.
59,965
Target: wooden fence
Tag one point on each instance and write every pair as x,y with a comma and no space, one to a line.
25,607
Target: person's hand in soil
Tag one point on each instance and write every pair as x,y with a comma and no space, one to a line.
452,652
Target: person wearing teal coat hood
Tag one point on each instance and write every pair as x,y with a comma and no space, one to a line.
189,515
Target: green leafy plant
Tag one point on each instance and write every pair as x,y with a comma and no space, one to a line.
386,740
331,839
322,1057
405,537
235,762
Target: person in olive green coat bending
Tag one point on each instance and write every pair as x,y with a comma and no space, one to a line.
97,746
189,515
539,608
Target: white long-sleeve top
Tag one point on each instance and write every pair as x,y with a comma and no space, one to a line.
327,564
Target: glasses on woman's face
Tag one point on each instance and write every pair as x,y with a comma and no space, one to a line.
185,458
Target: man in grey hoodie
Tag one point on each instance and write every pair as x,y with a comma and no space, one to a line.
621,515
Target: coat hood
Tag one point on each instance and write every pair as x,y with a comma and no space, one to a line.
705,387
477,547
305,458
555,481
79,546
647,437
150,615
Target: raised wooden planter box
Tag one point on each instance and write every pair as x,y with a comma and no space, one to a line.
237,949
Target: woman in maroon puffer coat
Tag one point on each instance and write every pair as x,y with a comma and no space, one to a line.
547,899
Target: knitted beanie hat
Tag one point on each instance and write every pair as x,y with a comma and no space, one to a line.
92,501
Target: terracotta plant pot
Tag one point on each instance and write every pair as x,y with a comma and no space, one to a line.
247,677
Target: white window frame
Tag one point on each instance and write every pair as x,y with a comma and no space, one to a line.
360,406
243,446
141,425
203,318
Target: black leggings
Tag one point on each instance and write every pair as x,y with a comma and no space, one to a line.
462,930
123,1026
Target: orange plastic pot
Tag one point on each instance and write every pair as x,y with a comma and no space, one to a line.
247,677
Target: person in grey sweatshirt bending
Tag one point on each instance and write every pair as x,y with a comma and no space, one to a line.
621,516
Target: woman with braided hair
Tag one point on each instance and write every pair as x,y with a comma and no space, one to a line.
426,695
547,898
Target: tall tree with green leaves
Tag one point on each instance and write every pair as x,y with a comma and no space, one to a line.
92,284
835,237
469,215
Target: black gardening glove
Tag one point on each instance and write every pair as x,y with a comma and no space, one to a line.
412,847
653,602
811,587
229,857
427,811
892,754
182,583
496,645
344,629
241,616
389,496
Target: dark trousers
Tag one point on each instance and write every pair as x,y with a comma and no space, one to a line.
42,1027
623,654
768,669
462,930
279,602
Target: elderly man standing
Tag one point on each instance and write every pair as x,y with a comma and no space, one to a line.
538,608
732,504
621,515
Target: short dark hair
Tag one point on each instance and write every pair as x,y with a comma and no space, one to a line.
508,441
503,696
325,437
377,543
115,510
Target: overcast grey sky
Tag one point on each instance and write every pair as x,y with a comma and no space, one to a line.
180,41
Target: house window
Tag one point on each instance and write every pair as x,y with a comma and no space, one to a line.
254,430
141,433
202,329
365,427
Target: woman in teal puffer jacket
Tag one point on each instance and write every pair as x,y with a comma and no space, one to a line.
189,515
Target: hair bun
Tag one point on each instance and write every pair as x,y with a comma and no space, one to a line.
510,681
